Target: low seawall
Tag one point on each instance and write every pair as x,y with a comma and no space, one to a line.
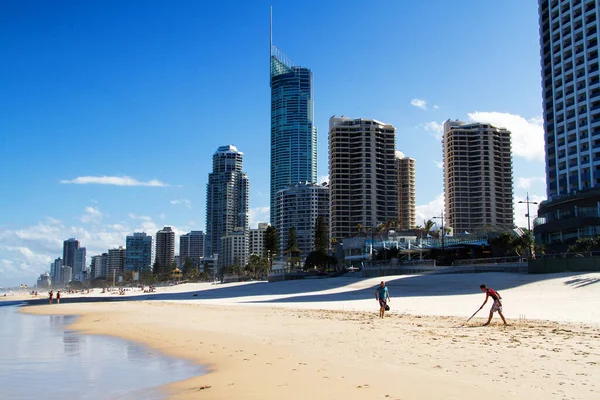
372,272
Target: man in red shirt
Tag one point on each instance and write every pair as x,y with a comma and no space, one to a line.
497,306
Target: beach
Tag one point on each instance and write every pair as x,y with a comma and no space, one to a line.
323,338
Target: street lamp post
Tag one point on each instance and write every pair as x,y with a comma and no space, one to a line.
442,233
528,202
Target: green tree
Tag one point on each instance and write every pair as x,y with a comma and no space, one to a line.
585,245
292,243
190,271
359,229
271,245
503,243
317,259
428,226
321,234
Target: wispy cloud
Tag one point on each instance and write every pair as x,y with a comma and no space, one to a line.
432,209
91,214
525,183
439,164
185,202
435,128
112,180
422,104
436,107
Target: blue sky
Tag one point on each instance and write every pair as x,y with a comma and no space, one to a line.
143,93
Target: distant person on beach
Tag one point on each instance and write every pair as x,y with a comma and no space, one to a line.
50,296
497,306
58,297
382,295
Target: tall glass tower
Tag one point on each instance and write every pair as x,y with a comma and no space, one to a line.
293,133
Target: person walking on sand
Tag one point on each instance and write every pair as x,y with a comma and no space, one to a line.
58,297
382,295
50,296
497,306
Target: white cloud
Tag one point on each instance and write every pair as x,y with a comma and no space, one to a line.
435,128
112,180
527,134
139,217
258,214
525,183
92,215
185,202
430,210
521,209
323,179
439,164
436,107
422,104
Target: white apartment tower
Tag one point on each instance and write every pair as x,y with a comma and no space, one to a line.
362,175
256,240
234,249
478,180
407,205
298,206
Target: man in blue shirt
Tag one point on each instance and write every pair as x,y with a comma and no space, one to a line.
383,296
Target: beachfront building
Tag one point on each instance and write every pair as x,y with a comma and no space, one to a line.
478,176
99,266
165,249
44,281
80,267
226,198
293,132
191,246
66,275
362,175
256,240
70,246
298,206
407,204
571,108
138,252
116,262
234,249
56,271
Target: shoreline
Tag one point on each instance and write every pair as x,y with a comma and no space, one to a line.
266,353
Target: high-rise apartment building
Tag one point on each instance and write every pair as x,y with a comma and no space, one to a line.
191,245
407,204
56,271
226,198
571,108
293,133
362,175
66,275
80,267
478,179
298,206
116,262
165,249
234,249
256,240
138,252
99,266
69,248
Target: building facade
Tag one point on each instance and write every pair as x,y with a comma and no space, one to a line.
407,203
70,246
116,262
293,133
99,266
256,240
478,178
226,198
191,245
165,249
571,108
234,249
80,267
362,175
66,275
56,271
299,206
138,252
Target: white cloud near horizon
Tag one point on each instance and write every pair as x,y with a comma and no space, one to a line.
113,180
258,214
422,104
435,128
432,209
525,183
527,135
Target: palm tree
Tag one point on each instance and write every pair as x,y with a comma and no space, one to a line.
428,225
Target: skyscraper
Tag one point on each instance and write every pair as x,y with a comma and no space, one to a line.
56,271
165,249
191,245
298,206
80,269
293,133
69,247
99,266
363,185
478,181
407,206
116,262
138,252
226,197
571,107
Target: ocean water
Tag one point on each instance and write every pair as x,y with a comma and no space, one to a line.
41,359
